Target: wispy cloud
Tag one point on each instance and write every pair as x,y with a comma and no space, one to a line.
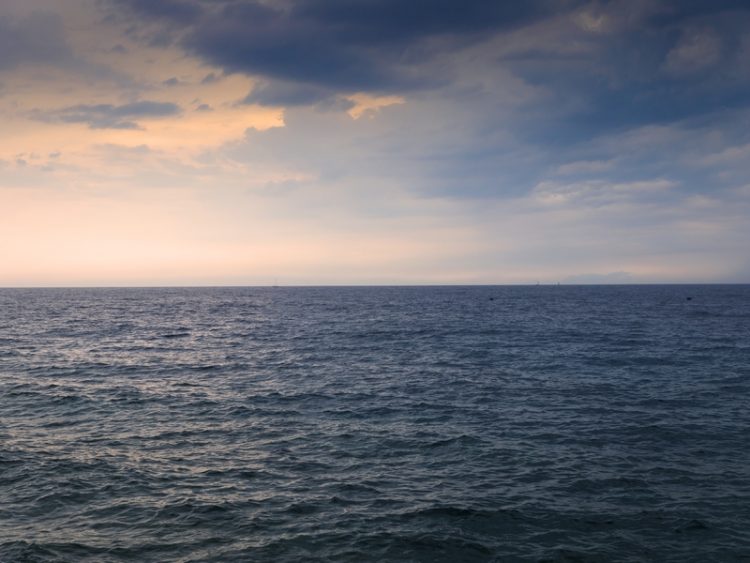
598,192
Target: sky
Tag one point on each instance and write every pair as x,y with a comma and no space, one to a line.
295,142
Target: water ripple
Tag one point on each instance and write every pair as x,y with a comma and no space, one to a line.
375,424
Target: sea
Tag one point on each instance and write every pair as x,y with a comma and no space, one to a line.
440,424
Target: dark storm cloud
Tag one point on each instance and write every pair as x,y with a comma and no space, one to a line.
372,45
600,69
108,116
38,38
380,21
306,49
671,62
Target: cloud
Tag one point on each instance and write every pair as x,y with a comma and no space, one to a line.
210,78
695,51
108,116
733,155
38,38
177,11
599,192
342,43
501,97
368,45
137,151
280,93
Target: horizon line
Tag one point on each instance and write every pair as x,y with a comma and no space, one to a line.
366,285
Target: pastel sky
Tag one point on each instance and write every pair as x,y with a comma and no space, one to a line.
251,142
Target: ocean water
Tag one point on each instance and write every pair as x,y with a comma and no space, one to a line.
549,423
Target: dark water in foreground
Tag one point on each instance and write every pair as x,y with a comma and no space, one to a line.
384,424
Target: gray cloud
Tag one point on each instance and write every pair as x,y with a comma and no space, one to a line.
38,38
177,11
210,78
373,45
606,65
108,116
279,93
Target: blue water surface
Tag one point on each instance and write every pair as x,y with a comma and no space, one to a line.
549,423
